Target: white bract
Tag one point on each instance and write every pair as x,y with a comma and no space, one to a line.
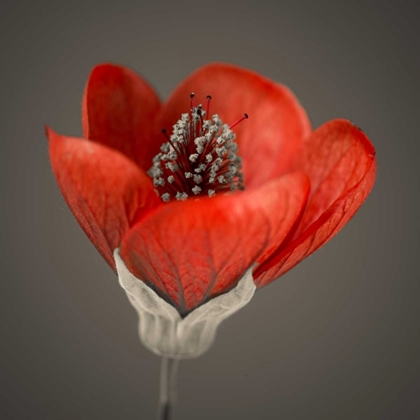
163,331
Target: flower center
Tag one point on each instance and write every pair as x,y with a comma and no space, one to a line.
199,158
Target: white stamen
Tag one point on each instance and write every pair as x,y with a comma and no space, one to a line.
165,147
172,155
213,162
201,168
193,157
220,151
171,166
181,196
158,182
196,190
197,178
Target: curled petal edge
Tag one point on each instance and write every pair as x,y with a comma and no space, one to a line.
105,191
319,232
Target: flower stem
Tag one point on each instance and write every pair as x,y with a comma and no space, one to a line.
168,385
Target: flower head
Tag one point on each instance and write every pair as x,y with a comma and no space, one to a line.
176,207
199,158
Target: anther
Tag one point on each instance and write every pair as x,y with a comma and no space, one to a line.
192,100
165,133
240,120
200,115
208,104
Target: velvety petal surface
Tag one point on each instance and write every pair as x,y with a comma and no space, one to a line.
340,162
194,250
277,124
105,190
120,111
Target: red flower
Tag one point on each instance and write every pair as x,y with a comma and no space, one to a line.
302,186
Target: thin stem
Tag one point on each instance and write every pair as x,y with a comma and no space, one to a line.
168,385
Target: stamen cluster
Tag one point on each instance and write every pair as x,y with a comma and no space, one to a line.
199,158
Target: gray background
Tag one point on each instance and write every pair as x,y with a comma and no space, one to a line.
335,338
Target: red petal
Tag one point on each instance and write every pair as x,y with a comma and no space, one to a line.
197,249
120,111
336,157
105,191
277,123
340,161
